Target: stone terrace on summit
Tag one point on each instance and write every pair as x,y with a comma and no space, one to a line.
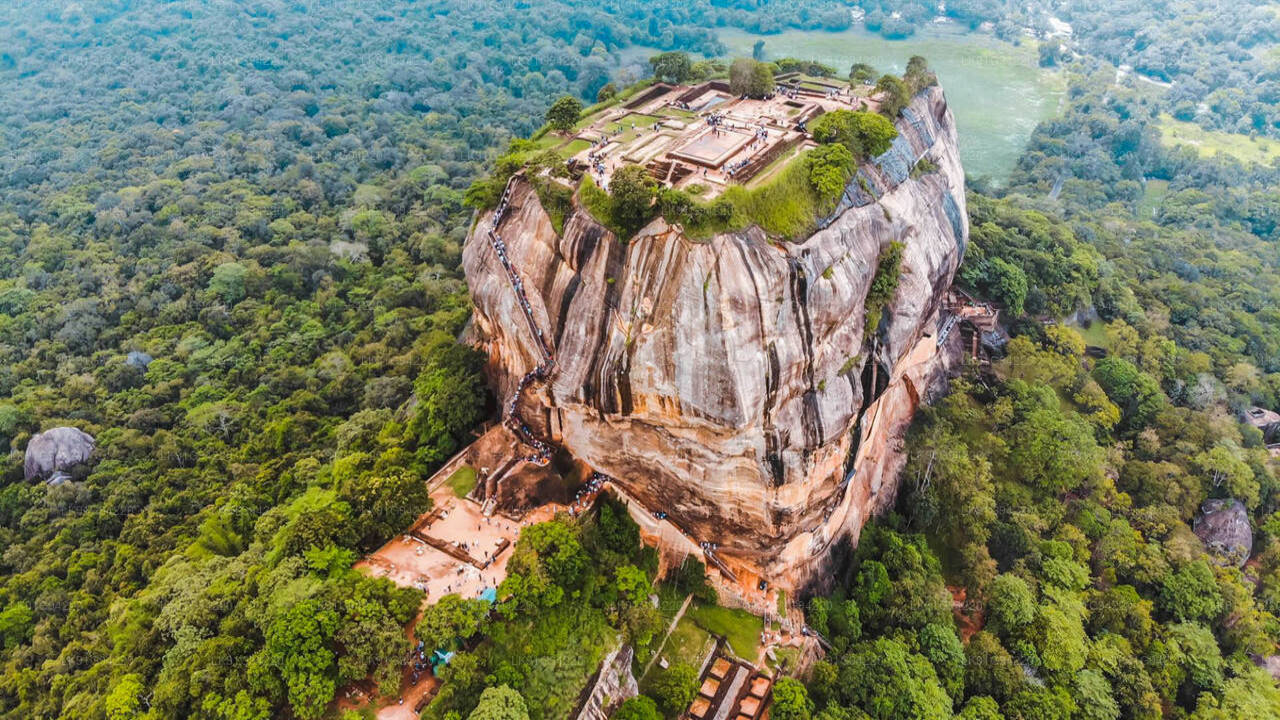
703,135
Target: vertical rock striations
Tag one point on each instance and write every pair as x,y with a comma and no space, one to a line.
731,383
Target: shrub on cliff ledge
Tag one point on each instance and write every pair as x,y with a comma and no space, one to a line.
918,75
883,285
628,204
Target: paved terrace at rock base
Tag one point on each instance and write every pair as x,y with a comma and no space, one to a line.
729,387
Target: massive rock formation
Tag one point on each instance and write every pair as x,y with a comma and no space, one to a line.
730,383
1223,526
50,453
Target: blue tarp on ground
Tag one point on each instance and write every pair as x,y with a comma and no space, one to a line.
489,595
440,657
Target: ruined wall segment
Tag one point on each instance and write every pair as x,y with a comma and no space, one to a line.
727,382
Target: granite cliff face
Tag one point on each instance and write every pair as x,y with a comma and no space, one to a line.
730,383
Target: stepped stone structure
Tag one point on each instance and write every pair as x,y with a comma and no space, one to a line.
730,385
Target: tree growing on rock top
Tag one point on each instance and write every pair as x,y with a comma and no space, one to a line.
861,74
865,134
750,78
893,95
633,192
564,113
918,75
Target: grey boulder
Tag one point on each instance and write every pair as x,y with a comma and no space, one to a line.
1223,526
56,450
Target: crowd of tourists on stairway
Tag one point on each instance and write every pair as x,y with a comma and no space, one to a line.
541,451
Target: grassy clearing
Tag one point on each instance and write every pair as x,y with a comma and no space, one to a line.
1094,334
574,148
675,112
462,481
740,628
636,119
772,168
623,125
591,113
787,659
1152,195
685,644
788,206
669,602
547,141
1208,143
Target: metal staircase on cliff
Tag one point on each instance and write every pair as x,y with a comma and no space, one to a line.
510,415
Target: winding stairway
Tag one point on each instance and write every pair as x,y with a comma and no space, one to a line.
541,455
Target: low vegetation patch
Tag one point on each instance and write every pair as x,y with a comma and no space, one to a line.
1209,143
462,481
739,628
883,285
685,644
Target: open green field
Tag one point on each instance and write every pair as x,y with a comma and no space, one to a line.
688,640
636,119
788,658
772,169
462,481
675,112
996,90
739,627
685,645
1153,194
574,148
1211,142
1094,334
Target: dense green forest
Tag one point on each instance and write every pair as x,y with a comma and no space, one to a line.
265,201
265,198
1060,495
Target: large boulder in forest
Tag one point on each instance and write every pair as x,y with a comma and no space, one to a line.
53,451
1224,527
